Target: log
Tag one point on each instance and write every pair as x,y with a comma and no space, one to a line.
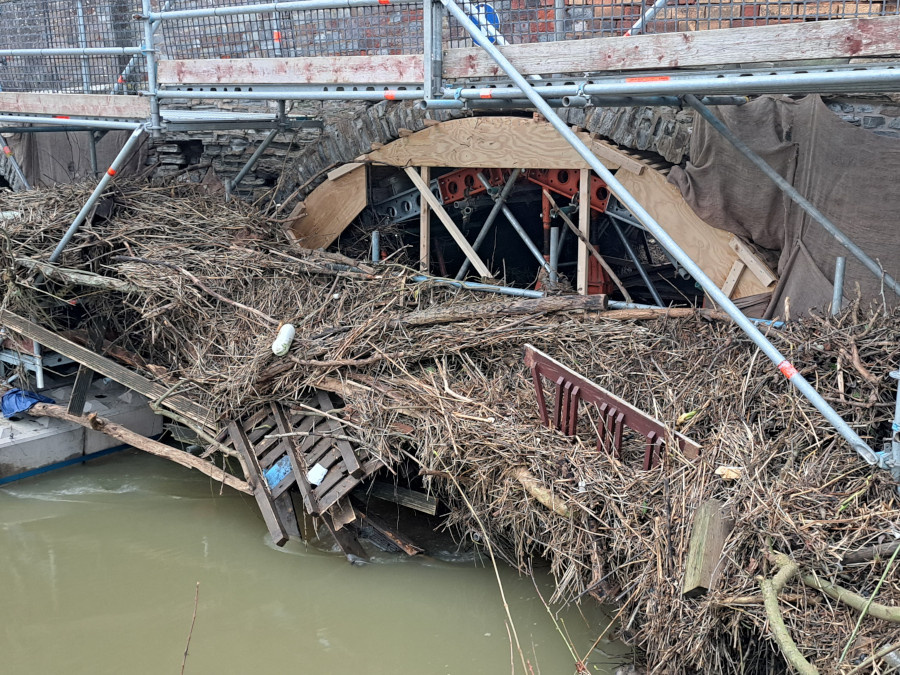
493,309
78,277
662,313
870,553
96,423
544,495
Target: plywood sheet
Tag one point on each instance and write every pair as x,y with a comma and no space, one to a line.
495,143
707,246
330,208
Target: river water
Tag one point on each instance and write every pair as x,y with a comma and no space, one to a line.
99,565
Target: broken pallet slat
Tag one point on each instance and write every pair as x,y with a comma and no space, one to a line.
346,484
403,496
351,462
298,466
259,484
709,532
346,540
399,540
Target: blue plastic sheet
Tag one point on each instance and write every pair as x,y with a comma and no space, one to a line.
19,401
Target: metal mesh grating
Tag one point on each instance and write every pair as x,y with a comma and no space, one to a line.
384,29
356,31
40,24
520,21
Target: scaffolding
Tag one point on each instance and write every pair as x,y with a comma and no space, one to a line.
126,66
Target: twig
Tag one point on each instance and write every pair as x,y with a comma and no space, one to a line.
881,653
865,610
191,631
199,284
770,589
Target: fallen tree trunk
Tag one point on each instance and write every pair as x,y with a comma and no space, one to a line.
117,431
662,313
488,310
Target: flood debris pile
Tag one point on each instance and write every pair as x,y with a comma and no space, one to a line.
191,292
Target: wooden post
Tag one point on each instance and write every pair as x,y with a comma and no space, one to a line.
708,534
257,482
584,224
425,192
425,225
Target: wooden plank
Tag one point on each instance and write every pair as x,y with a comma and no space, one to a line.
748,256
496,143
342,514
298,466
305,521
372,69
733,276
403,496
341,170
75,105
348,454
402,542
425,225
140,442
284,509
458,236
584,226
708,534
706,245
85,376
346,540
330,208
83,380
842,38
258,483
105,367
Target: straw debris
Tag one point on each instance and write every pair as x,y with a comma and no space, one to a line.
191,292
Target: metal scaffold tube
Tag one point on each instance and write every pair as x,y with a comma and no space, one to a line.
72,51
870,77
517,226
232,184
297,95
489,221
666,241
14,164
792,192
95,195
268,8
74,123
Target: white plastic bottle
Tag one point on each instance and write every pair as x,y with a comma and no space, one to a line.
283,340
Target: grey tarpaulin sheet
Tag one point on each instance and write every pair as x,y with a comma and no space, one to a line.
850,174
64,157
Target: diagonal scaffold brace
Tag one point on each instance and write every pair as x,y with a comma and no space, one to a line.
666,241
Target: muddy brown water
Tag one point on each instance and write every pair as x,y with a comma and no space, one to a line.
99,565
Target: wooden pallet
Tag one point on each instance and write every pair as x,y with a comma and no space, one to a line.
277,461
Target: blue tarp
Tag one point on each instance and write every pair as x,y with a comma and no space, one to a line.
18,401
